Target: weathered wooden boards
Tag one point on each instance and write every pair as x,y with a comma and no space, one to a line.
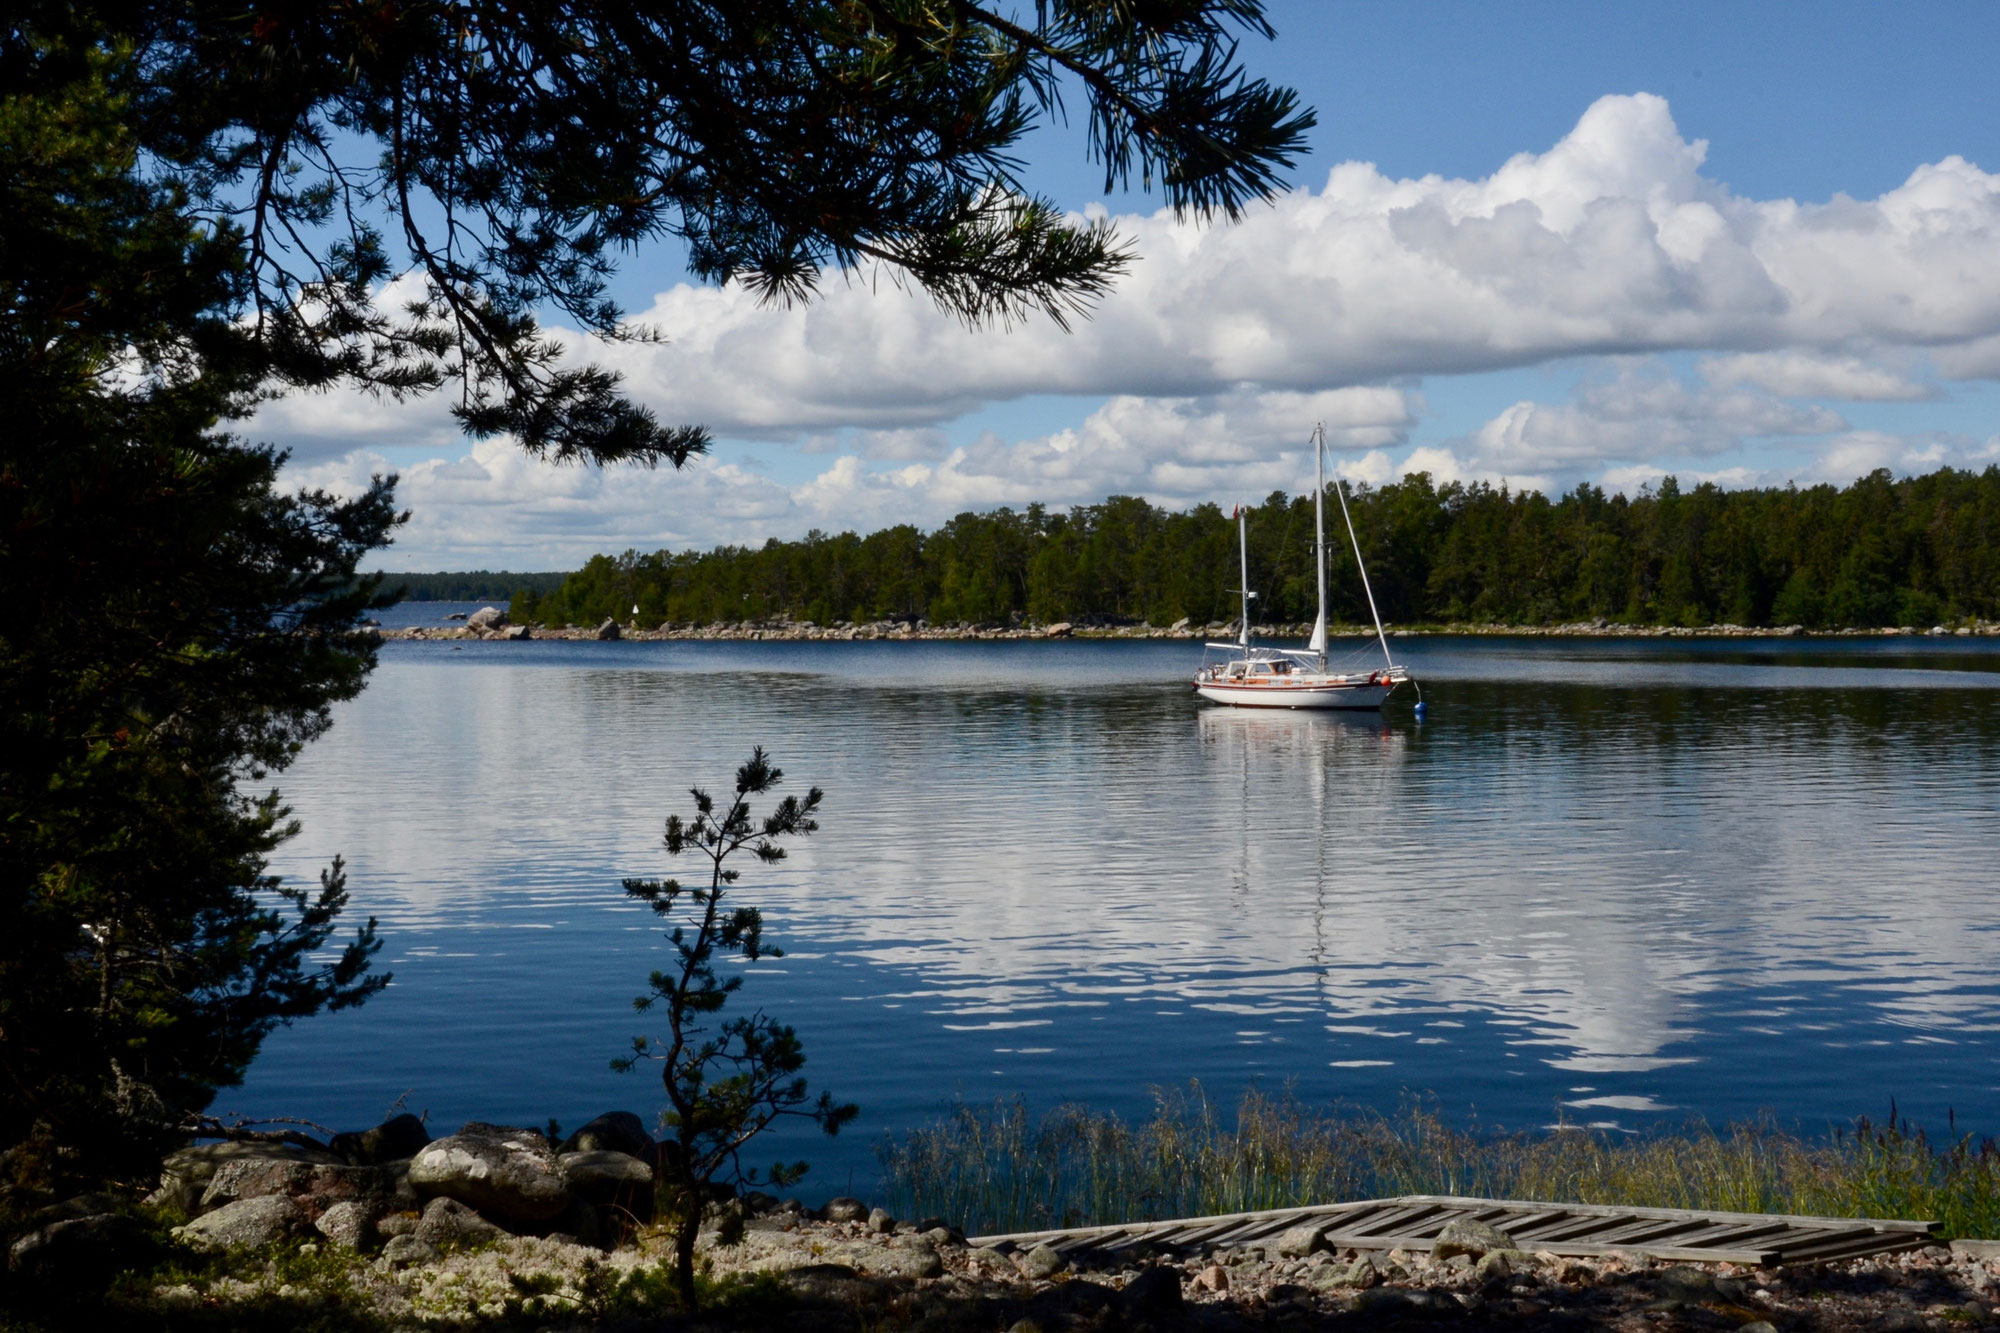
1413,1221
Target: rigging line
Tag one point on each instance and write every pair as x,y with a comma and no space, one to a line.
1340,489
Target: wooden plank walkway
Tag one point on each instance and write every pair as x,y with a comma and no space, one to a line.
1412,1222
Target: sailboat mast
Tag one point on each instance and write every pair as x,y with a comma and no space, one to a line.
1243,552
1362,566
1319,539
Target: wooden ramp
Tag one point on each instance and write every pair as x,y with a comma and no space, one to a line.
1413,1221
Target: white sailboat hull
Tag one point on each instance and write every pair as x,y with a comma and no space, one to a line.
1298,691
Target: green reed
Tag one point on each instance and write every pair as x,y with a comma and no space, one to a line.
998,1169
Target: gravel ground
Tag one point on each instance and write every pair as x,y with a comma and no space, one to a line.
849,1277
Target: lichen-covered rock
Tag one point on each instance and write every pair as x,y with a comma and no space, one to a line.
508,1175
246,1222
347,1225
314,1187
603,1177
1043,1261
396,1139
1301,1241
403,1251
197,1165
1472,1239
449,1222
614,1131
881,1221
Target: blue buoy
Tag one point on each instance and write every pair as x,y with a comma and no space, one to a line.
1420,709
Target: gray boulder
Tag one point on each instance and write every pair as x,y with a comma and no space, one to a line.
396,1139
608,630
314,1187
614,1131
881,1221
516,633
405,1251
347,1225
845,1209
197,1165
1301,1241
486,617
449,1222
246,1222
607,1177
1042,1262
508,1175
1472,1239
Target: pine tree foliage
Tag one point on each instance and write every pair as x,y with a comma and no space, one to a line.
415,184
178,629
1880,552
204,205
727,1080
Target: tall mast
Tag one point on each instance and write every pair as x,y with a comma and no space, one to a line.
1243,550
1318,644
1358,564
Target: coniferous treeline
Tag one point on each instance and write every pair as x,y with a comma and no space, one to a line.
1879,552
470,585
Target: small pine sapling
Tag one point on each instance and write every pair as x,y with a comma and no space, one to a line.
727,1080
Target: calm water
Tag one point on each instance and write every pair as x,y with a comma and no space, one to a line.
1623,882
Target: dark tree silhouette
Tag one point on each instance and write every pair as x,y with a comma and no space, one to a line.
727,1080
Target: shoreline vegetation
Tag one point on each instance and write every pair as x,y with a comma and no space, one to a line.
510,1227
500,626
1002,1170
1881,553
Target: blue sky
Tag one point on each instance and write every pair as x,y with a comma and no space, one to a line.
852,415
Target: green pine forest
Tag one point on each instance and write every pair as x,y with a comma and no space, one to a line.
1881,552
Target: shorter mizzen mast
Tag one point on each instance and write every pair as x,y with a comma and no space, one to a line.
1318,644
1243,550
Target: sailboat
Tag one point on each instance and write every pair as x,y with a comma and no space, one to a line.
1254,677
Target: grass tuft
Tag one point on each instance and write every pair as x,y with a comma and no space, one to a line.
1002,1171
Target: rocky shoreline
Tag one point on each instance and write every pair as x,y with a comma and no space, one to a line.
492,623
498,1225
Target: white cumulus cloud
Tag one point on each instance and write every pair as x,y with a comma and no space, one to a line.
1212,357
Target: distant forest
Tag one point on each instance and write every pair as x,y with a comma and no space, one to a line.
478,585
1879,552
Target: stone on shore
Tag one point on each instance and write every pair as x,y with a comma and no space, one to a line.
396,1139
313,1187
881,1221
608,630
1463,1236
246,1223
486,617
608,1178
1043,1262
508,1175
1302,1240
347,1225
407,1251
844,1209
614,1131
449,1222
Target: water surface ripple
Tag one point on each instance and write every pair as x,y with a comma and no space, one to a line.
1623,882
